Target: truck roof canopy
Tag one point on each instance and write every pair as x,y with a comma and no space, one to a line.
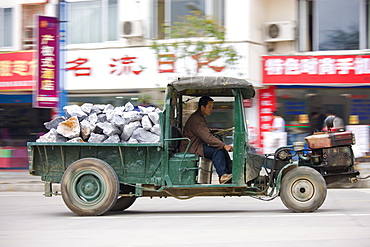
212,85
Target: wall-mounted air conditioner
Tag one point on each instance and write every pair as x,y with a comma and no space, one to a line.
132,29
279,31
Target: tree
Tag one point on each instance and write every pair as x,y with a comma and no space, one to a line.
198,37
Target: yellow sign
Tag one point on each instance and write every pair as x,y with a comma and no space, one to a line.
353,119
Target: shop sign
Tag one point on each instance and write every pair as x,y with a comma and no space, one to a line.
45,93
140,67
267,105
316,70
16,71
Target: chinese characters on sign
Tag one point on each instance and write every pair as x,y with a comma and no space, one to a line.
78,69
267,107
45,94
127,65
17,70
124,65
348,69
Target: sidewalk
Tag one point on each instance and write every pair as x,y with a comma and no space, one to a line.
21,180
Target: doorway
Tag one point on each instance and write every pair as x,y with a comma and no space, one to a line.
340,104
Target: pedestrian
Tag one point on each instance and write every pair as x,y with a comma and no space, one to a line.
278,123
276,136
338,121
316,121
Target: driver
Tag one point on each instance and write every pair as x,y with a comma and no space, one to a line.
204,143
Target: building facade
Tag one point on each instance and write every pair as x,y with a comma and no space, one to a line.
302,56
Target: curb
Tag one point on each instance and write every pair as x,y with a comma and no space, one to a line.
27,187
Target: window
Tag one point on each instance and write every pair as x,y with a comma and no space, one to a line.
333,25
6,27
168,12
28,26
92,21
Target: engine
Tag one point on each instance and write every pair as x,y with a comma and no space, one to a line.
329,153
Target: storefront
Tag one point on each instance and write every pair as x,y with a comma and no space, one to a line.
19,121
307,88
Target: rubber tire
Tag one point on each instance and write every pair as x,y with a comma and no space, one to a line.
123,203
303,189
89,187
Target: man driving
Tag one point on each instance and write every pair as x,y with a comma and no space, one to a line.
204,143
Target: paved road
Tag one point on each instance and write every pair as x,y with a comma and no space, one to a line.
29,219
21,180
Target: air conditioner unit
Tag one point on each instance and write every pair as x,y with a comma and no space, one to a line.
279,31
131,29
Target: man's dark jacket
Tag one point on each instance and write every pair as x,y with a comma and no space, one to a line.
197,131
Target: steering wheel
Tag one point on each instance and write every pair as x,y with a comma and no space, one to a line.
224,132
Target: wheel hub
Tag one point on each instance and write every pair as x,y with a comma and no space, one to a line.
88,187
303,190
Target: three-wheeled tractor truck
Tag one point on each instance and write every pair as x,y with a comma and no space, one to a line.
100,177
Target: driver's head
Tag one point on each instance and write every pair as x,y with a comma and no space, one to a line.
205,105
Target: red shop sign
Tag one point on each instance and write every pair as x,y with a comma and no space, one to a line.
45,94
267,105
17,70
316,70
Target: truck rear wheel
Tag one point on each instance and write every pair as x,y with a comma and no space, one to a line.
303,189
124,202
89,187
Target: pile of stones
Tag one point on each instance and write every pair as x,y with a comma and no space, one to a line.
98,123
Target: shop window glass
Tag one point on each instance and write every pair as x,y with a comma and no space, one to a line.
332,24
167,12
92,21
28,26
6,27
112,20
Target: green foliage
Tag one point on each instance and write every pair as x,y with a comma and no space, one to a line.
197,35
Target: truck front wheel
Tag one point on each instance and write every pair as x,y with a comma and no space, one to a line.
89,187
303,189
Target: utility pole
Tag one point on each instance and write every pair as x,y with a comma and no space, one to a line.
62,16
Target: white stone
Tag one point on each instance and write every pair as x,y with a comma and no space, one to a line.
132,116
53,124
98,108
77,139
144,136
74,110
109,128
154,117
112,139
132,140
107,108
128,129
156,129
118,120
146,109
146,123
109,113
69,128
86,107
93,118
86,129
50,136
97,138
129,107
